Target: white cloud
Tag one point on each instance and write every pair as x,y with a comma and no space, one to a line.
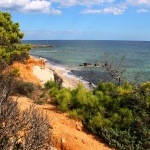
108,10
38,5
138,2
46,6
28,6
142,11
91,11
142,5
69,3
114,10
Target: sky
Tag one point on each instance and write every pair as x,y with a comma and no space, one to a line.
81,19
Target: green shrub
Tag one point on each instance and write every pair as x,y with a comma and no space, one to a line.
24,88
145,86
53,92
106,87
118,114
15,72
125,140
50,84
76,113
63,98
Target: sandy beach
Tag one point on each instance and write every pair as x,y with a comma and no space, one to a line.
43,74
47,72
37,71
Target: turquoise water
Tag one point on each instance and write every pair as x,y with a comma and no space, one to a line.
70,54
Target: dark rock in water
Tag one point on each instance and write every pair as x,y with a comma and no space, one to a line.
93,77
86,64
96,65
81,65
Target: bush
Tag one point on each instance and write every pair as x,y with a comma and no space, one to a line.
53,92
63,98
76,114
24,88
15,72
50,84
118,114
26,129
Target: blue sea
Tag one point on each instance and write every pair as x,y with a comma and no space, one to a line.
69,54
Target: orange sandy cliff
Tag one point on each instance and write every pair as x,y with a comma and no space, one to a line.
25,69
68,133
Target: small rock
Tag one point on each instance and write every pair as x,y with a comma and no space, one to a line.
52,148
63,140
76,137
78,127
83,141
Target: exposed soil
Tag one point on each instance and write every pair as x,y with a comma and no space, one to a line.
68,133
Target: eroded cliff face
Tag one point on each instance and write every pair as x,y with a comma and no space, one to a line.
68,134
26,69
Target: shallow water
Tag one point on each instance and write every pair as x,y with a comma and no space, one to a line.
69,54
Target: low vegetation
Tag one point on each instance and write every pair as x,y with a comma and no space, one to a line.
26,129
118,114
24,88
19,130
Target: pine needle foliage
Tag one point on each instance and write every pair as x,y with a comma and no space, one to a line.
11,48
119,114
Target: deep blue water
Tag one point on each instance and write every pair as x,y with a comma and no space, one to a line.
71,53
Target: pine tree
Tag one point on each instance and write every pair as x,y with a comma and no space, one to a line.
11,48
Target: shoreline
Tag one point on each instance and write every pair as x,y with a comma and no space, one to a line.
49,71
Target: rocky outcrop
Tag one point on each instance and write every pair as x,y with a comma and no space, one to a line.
58,79
85,64
41,46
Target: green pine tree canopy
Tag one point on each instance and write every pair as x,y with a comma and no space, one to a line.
11,48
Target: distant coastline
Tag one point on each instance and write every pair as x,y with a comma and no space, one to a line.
40,46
